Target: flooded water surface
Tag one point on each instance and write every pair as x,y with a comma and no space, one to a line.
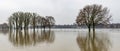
60,40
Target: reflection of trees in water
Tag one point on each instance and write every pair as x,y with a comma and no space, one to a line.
100,42
24,38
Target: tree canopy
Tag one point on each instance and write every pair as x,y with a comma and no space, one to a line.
91,15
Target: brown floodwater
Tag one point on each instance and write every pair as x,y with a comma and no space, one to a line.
60,40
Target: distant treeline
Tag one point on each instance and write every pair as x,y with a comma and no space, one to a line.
114,25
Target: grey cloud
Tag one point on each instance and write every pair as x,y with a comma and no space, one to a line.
64,11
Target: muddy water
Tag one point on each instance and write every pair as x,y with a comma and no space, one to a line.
60,40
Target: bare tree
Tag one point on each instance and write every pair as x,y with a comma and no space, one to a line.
39,20
43,22
27,17
15,17
50,21
24,19
91,15
10,20
34,20
20,19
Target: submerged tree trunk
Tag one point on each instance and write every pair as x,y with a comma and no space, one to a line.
20,27
89,29
10,27
25,27
49,27
93,29
34,23
33,28
41,27
44,28
16,25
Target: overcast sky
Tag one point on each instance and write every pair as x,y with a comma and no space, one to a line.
64,11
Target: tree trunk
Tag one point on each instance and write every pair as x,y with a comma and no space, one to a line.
16,25
10,27
49,27
89,29
20,27
93,29
41,27
44,28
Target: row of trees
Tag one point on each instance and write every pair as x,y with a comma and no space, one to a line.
20,20
91,15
